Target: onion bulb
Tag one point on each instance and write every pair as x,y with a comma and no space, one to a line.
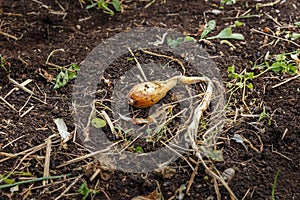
148,93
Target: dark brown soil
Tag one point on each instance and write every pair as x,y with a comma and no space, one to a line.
43,26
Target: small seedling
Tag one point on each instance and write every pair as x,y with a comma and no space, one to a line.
66,74
3,63
104,5
211,25
227,34
6,179
264,115
228,2
275,184
173,43
280,64
139,149
240,80
85,192
98,122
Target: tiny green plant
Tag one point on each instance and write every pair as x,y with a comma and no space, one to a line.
228,2
226,33
275,184
98,122
239,80
211,25
85,192
173,43
3,63
66,74
281,64
139,149
265,115
104,5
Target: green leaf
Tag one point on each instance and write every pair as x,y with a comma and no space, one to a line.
249,75
61,80
84,191
71,75
228,2
238,23
230,69
189,39
250,85
139,149
297,24
211,25
174,43
6,179
91,6
276,67
295,36
98,122
227,34
117,5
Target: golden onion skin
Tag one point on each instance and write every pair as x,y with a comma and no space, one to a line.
147,94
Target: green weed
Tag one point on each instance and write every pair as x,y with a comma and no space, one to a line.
275,184
226,33
85,192
281,63
173,43
3,63
265,115
104,5
66,74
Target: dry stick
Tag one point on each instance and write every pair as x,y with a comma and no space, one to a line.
165,56
25,104
217,189
287,80
109,122
69,187
9,105
8,35
27,111
86,156
35,149
47,159
13,141
246,194
138,64
10,155
260,5
192,178
21,86
257,31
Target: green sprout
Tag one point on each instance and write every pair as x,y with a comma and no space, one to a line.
66,74
228,2
226,33
104,5
85,192
3,63
139,149
98,122
280,64
173,43
275,184
265,115
211,25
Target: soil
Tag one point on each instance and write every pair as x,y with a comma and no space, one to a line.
40,27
